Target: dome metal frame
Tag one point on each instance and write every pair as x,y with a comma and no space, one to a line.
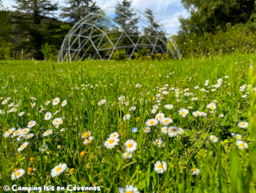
88,33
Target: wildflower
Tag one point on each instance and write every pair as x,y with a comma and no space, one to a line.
130,145
82,153
146,130
24,131
57,170
48,116
86,134
213,138
30,169
121,98
164,130
155,107
221,115
114,135
172,131
126,117
180,131
211,106
111,143
183,112
241,144
153,111
43,148
56,121
160,167
127,155
194,99
133,108
55,101
16,133
134,130
31,124
17,174
64,103
195,171
21,114
47,133
243,124
166,121
151,122
23,146
130,189
101,102
158,142
196,113
168,106
159,116
88,141
30,135
9,132
238,137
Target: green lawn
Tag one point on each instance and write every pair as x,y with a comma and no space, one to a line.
75,126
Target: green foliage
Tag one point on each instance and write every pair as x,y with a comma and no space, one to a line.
46,50
119,54
211,16
239,38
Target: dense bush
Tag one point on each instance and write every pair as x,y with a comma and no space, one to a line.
239,38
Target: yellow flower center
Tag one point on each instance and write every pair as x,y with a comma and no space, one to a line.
242,124
24,131
127,154
129,192
213,138
151,122
55,101
17,173
114,135
31,123
29,136
211,107
58,169
47,115
22,146
193,169
47,132
160,166
241,145
43,147
9,131
86,134
111,141
183,113
16,132
129,145
166,121
146,129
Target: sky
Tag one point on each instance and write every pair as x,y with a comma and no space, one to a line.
166,11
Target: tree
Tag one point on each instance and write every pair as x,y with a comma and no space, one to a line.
125,17
31,21
78,9
210,16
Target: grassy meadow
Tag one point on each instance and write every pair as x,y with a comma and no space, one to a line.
130,126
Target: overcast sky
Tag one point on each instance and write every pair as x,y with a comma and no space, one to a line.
167,11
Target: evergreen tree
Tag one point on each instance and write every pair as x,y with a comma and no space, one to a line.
125,17
78,9
31,21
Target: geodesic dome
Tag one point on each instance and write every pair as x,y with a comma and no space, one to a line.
102,34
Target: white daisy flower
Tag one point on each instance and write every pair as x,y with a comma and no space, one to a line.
172,131
111,143
151,122
114,135
47,116
30,135
88,141
21,114
130,145
57,170
195,171
158,142
126,117
155,107
47,133
130,189
166,121
160,167
24,131
164,130
56,121
146,130
241,144
64,103
211,106
86,134
101,102
132,108
213,138
153,111
31,124
196,113
16,133
9,132
168,106
55,101
43,148
17,174
159,116
180,131
243,124
183,112
127,155
238,137
23,146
